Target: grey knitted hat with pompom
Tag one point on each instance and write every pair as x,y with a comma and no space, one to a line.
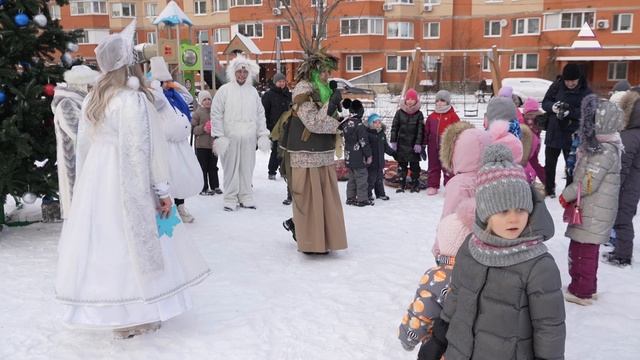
501,184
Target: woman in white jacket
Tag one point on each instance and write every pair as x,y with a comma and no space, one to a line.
237,125
171,102
121,266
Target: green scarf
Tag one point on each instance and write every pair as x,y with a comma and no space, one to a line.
322,87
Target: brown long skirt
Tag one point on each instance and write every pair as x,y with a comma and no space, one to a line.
317,209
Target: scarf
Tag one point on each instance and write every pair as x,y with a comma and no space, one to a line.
491,250
322,87
443,109
514,128
410,109
613,139
177,101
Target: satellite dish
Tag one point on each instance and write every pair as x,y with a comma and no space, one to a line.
504,23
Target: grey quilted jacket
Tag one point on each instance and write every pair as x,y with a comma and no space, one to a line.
512,313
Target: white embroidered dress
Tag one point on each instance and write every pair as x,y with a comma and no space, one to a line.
113,269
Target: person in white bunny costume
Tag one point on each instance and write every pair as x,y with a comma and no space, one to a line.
238,124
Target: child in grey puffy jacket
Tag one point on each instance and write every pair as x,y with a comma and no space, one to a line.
597,177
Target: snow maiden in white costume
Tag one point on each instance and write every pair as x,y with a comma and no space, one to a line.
185,175
237,124
119,268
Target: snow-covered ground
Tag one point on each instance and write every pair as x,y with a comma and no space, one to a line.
265,300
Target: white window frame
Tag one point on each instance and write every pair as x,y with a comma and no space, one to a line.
513,62
215,6
239,3
314,3
426,30
280,32
206,38
432,2
150,9
617,22
254,27
54,11
199,7
84,38
613,65
490,23
404,30
430,63
486,64
121,7
81,8
372,26
281,3
399,62
526,26
217,36
93,36
553,21
349,66
314,31
400,2
151,37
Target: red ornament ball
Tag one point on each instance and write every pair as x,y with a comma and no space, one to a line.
48,90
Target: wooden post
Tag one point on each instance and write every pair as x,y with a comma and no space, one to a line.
495,70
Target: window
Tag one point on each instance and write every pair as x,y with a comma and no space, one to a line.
220,5
399,30
432,2
492,28
150,9
361,26
354,63
284,32
398,2
486,64
88,7
200,7
617,71
431,30
203,36
221,36
569,20
528,26
151,38
54,10
430,63
397,63
314,31
250,30
622,23
123,10
283,3
524,62
246,3
92,36
316,3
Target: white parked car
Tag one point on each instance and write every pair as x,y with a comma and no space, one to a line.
525,88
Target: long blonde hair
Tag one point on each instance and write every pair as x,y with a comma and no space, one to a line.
106,88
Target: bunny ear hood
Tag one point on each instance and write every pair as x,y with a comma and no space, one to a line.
242,62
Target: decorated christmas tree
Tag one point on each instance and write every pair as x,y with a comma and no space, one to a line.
34,51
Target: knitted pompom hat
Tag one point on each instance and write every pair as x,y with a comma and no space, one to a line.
501,184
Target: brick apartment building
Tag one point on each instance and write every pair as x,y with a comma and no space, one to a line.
534,36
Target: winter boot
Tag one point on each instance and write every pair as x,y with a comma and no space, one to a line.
402,187
350,201
415,186
290,226
569,297
432,191
184,214
383,197
130,332
612,259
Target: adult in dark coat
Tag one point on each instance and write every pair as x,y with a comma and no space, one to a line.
629,181
563,97
275,101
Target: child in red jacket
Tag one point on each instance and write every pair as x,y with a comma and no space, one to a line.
443,116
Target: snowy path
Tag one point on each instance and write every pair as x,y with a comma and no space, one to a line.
267,301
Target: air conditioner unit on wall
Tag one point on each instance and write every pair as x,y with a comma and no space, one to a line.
387,7
428,7
602,24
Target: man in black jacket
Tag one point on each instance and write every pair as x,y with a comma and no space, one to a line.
562,103
275,101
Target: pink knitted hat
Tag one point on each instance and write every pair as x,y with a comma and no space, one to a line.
411,95
500,134
531,105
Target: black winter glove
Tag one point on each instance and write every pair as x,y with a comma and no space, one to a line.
437,345
334,102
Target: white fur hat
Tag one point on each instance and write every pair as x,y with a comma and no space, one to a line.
159,69
81,75
242,62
